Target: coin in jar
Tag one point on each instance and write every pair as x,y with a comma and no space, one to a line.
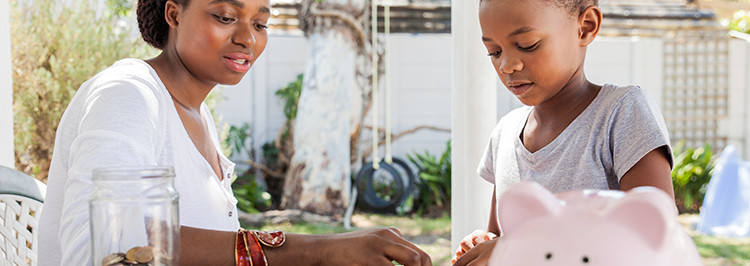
144,254
130,255
113,259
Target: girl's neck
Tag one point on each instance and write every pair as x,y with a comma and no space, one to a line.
187,91
572,99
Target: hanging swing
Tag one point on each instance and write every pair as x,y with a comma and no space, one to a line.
381,187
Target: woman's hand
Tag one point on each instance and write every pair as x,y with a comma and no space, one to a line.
365,247
470,241
477,256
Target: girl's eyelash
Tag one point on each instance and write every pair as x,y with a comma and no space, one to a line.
261,26
529,48
496,53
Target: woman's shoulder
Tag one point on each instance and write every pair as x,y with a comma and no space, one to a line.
127,77
128,70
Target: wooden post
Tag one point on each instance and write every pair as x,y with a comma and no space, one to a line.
474,114
6,90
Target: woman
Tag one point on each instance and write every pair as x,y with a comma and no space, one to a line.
152,113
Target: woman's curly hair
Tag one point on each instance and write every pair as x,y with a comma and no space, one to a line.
151,22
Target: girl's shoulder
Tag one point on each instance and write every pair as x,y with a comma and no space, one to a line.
513,120
520,113
612,94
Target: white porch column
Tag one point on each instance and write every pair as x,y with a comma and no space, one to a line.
474,114
6,90
738,123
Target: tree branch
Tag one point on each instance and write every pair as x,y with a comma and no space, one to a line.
265,169
381,141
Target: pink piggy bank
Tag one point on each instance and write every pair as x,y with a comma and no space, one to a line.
590,227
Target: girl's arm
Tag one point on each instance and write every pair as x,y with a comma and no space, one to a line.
493,226
651,170
366,247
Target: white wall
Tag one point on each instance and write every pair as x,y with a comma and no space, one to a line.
420,90
6,90
626,61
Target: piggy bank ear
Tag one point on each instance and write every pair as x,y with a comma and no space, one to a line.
648,211
524,202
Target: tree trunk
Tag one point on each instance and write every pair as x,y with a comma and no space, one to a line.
318,179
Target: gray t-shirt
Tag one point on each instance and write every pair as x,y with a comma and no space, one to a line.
618,128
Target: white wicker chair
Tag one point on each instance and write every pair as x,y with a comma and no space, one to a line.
20,207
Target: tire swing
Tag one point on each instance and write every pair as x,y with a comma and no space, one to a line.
381,187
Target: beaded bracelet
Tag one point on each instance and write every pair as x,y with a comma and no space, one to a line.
257,257
250,252
270,239
241,254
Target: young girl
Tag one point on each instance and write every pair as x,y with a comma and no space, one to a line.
572,134
152,113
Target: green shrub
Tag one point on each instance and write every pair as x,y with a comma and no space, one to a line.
278,152
740,22
692,171
56,46
251,197
434,184
290,94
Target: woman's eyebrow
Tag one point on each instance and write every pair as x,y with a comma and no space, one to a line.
263,9
232,2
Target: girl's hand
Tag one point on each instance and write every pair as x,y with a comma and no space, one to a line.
366,247
470,241
477,256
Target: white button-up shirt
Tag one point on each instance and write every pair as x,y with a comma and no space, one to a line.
124,116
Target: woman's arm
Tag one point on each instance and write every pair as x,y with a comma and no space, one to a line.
651,170
365,247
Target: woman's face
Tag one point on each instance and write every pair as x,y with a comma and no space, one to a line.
533,46
218,40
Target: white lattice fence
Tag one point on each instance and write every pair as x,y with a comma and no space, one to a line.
696,87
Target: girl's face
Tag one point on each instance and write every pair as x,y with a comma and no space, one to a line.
218,40
534,46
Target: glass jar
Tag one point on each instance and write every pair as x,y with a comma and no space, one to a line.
134,216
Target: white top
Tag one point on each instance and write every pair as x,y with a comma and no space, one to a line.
124,116
618,128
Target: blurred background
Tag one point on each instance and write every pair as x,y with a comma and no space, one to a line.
305,114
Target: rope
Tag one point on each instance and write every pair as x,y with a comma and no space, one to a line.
374,24
387,74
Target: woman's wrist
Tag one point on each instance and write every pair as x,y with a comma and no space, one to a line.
298,249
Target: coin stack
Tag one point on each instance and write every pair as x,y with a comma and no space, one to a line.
134,256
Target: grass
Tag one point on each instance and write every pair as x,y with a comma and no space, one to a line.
433,236
723,251
717,250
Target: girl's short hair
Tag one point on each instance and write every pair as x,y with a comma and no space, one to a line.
574,6
151,22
